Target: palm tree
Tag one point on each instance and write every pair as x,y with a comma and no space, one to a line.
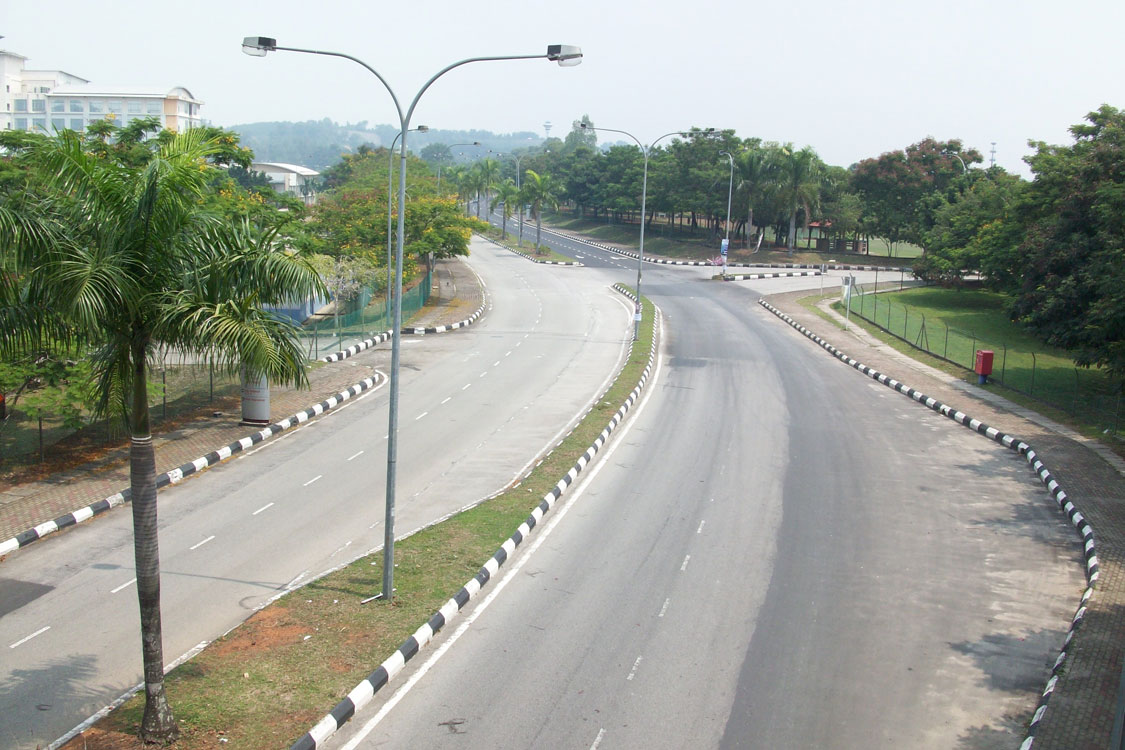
488,172
131,259
506,194
797,184
753,172
540,191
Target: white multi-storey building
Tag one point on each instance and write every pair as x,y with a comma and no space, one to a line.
52,100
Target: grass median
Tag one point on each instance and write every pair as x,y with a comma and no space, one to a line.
269,680
545,254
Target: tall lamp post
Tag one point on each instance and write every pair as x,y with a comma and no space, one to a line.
730,191
257,46
645,151
455,145
390,186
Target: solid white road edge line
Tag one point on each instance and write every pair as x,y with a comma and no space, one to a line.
579,491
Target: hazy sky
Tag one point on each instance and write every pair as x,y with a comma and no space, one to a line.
851,79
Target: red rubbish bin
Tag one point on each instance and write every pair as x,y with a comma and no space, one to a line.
983,365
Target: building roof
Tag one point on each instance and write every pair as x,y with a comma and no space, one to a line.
274,166
135,91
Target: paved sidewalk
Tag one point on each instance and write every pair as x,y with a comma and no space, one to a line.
456,295
1081,712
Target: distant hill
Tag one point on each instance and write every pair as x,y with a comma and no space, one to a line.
319,143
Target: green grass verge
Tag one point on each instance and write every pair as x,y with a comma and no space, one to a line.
269,680
923,315
528,248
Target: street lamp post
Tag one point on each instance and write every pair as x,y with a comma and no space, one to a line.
645,151
390,186
455,145
257,46
730,191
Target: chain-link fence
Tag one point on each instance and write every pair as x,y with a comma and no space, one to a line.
41,418
360,318
1088,394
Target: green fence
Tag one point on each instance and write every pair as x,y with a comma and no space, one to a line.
1088,394
179,389
362,318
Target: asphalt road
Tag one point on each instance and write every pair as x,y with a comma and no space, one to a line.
775,552
476,407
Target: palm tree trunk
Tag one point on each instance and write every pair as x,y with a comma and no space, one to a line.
158,724
504,225
792,231
538,229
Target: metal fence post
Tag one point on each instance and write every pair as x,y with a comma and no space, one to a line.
906,324
973,351
1033,364
1004,363
945,352
1077,387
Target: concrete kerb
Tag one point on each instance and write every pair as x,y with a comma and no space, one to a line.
1018,446
365,691
529,257
175,476
752,276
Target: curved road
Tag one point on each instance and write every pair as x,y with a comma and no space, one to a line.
775,553
476,405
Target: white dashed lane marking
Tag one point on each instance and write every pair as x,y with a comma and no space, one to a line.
267,506
22,641
197,545
125,585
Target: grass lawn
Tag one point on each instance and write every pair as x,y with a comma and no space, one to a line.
267,682
954,324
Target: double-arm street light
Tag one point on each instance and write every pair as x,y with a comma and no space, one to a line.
730,191
645,151
565,55
455,145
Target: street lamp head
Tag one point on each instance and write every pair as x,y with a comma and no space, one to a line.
423,128
258,46
566,55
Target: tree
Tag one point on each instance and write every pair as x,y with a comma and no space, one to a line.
969,219
1068,270
797,184
539,191
130,261
506,195
893,185
487,174
581,136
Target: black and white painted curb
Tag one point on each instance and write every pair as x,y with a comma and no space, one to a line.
751,276
362,694
351,351
1018,446
177,475
532,258
667,262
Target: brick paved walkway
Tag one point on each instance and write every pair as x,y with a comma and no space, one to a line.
1080,714
456,295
